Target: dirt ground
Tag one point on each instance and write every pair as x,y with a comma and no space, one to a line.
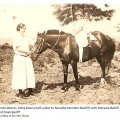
49,79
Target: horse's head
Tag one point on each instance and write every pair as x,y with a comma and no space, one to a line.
39,47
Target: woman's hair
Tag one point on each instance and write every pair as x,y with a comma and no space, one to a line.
20,25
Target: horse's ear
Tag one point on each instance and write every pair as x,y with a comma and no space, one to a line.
44,32
38,33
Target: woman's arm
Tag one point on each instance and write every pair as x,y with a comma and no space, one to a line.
23,50
19,48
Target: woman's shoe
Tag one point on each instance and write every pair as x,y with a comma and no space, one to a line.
26,94
17,95
20,95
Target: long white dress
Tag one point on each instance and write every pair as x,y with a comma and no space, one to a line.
23,73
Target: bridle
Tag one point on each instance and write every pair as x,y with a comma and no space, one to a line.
41,45
42,42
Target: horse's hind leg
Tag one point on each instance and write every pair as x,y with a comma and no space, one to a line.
101,60
65,71
107,68
75,71
108,62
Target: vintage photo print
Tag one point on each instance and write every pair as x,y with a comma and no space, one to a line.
65,53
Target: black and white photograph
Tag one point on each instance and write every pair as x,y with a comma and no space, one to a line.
60,54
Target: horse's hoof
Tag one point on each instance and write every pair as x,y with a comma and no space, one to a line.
65,88
62,88
77,87
102,81
96,86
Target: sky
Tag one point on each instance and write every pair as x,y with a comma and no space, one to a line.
39,17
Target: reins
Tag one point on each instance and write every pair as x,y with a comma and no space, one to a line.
56,42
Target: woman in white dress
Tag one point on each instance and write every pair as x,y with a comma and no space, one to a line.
23,73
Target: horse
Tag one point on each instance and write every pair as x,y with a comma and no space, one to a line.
65,45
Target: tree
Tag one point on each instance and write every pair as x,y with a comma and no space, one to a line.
67,13
6,46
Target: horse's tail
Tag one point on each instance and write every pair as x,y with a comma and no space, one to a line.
111,48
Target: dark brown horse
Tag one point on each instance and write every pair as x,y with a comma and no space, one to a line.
65,45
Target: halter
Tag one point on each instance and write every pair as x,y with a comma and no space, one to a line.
40,49
41,46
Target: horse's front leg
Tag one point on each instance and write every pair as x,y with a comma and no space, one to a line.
65,71
75,71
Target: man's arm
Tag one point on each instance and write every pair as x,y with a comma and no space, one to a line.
78,30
